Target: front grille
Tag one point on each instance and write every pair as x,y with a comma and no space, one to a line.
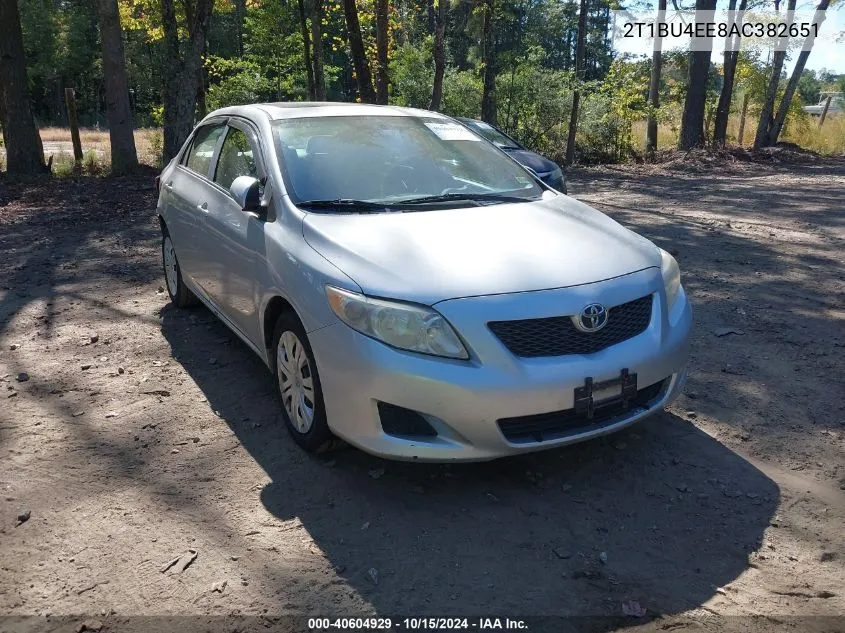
557,336
543,427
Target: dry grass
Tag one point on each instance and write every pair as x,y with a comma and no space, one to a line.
828,140
96,143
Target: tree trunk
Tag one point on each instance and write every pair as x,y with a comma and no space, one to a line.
741,134
654,84
359,56
692,122
124,158
579,76
182,71
73,124
488,60
723,109
2,105
439,54
785,101
317,44
824,110
202,107
306,47
382,41
240,13
24,153
764,126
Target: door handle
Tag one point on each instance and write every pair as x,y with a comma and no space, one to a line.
169,185
203,207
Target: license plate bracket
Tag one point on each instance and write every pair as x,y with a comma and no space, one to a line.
586,402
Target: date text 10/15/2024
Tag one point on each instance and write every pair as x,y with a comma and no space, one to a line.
416,624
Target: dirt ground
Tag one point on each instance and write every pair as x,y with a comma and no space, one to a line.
144,433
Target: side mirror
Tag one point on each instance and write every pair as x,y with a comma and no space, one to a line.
247,193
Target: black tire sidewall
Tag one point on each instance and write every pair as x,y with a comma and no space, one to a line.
183,297
319,436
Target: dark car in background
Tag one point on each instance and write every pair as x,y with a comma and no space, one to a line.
548,171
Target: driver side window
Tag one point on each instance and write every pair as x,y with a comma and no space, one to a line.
198,157
236,159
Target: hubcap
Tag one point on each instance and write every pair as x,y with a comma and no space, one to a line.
295,381
170,271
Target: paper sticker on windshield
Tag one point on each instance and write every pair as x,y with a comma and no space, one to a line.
522,180
451,131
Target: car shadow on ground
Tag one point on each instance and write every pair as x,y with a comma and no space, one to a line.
661,513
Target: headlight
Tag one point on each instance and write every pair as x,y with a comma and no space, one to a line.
671,277
402,325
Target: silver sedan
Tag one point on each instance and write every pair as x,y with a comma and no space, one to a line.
415,291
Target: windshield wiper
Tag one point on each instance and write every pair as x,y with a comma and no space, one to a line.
473,197
345,203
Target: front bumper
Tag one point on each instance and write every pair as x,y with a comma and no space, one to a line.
463,400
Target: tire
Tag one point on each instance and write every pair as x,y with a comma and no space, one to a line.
180,296
297,377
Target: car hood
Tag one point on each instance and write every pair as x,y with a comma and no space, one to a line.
434,255
540,164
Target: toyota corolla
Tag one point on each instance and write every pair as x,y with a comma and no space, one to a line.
415,291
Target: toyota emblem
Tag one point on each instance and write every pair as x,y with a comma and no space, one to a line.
592,318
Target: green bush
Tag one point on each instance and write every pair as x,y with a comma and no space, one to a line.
462,91
412,74
235,82
534,105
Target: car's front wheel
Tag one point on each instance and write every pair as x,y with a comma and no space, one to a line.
299,386
179,293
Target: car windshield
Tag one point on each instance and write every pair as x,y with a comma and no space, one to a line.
493,135
333,162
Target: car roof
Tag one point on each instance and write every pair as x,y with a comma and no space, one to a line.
301,109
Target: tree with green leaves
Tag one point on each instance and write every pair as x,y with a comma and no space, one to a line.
579,76
723,109
767,112
654,83
306,47
488,61
382,51
359,56
692,121
440,17
777,124
182,69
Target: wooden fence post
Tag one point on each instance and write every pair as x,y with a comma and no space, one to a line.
73,121
824,111
742,119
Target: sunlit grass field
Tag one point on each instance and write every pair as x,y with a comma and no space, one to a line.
96,149
829,139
